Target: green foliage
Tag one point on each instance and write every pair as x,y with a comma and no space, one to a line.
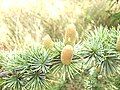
40,69
116,81
32,69
13,83
100,50
115,17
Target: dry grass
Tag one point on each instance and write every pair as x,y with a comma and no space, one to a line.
24,26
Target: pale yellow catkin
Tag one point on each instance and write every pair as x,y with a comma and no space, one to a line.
47,42
67,54
71,35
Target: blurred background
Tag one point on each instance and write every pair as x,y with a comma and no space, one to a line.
24,22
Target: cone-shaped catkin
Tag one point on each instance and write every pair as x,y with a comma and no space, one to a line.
71,35
47,42
118,43
67,55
